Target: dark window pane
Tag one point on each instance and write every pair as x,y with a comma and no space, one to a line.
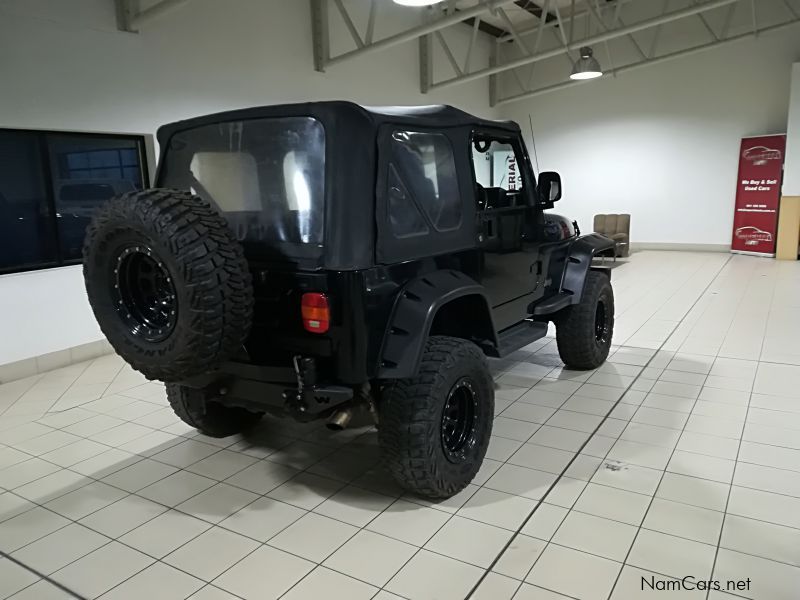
77,160
129,157
104,158
131,173
427,165
87,171
26,224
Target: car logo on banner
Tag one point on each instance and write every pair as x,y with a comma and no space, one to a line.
759,155
752,236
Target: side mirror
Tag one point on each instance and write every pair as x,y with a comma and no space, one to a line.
548,189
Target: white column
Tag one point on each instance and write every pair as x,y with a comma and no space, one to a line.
791,176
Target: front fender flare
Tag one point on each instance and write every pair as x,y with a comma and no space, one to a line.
579,262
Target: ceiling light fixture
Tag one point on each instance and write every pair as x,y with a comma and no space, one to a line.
417,2
586,67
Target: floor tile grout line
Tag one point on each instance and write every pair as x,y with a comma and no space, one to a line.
212,524
352,483
13,402
150,457
218,524
644,517
155,559
41,576
618,438
592,434
738,451
549,489
54,402
672,453
220,481
602,459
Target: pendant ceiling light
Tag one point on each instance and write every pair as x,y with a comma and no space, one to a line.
586,67
417,2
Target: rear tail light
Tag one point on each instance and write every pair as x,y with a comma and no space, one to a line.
316,312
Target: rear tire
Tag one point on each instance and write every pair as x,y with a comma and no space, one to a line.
168,283
198,409
584,330
434,428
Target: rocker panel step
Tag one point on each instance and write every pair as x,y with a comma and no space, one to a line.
520,335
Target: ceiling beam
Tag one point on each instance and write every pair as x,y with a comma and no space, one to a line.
534,9
651,61
488,28
553,22
419,31
590,41
130,17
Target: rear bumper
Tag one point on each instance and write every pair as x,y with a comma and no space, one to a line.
261,388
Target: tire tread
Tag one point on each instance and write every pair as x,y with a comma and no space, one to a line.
211,265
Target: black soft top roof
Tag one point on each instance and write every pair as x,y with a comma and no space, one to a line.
435,115
351,161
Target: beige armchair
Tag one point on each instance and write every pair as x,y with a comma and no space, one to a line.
616,227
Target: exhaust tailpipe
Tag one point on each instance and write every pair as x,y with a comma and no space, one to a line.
340,419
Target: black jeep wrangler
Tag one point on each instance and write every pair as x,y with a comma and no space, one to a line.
315,259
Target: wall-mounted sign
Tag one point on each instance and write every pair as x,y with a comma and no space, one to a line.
758,192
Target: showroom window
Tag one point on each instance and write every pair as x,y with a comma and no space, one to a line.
426,164
51,184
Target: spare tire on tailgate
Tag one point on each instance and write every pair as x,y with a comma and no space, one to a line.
168,283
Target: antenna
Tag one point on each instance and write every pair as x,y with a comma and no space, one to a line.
533,142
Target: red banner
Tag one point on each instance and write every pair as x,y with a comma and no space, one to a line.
758,193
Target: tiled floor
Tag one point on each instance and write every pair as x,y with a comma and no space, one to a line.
678,458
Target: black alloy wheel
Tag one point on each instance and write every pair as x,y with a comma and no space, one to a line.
144,293
459,417
601,320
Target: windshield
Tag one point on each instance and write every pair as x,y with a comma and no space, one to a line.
266,175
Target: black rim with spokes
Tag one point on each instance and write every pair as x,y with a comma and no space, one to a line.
459,421
144,293
601,323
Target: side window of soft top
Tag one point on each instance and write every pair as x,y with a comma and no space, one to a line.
498,177
423,192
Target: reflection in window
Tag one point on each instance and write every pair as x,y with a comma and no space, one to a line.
496,165
426,164
267,176
87,172
404,216
51,184
27,238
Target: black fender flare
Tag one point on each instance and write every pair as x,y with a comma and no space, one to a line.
414,311
579,263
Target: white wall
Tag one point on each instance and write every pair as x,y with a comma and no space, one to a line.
63,65
791,173
44,311
662,142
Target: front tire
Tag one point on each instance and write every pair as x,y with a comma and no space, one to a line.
435,428
198,409
584,330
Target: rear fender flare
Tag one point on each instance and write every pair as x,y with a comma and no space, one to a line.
414,312
579,263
